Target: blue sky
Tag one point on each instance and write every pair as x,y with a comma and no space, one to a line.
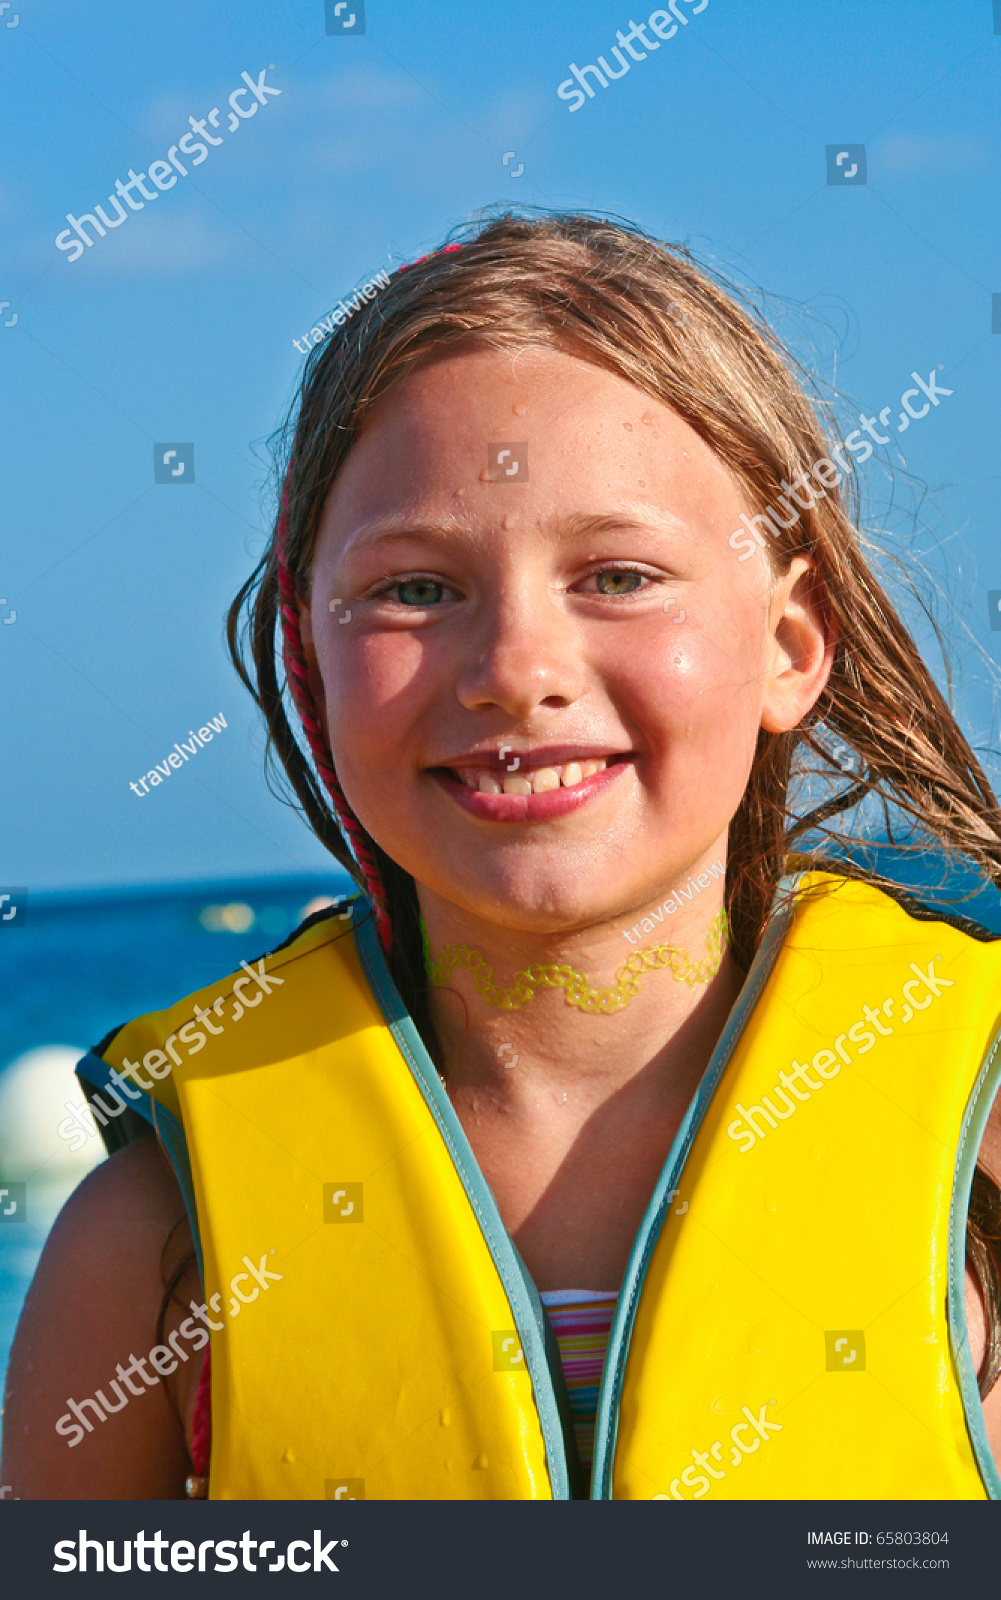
179,325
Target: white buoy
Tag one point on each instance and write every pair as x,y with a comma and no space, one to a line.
39,1096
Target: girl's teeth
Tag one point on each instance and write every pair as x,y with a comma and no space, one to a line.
543,780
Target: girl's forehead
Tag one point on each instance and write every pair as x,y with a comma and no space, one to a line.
482,432
534,378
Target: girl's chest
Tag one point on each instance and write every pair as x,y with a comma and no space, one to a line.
571,1197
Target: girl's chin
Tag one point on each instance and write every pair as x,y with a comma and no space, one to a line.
536,895
552,915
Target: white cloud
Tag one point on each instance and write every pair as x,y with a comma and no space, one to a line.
928,155
353,93
357,91
164,245
518,115
167,118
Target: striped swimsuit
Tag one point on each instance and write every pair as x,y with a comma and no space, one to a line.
581,1320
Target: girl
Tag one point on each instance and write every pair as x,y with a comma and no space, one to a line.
597,1079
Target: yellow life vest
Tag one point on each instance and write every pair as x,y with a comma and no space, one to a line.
791,1320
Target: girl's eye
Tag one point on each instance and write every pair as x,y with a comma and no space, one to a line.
419,592
612,583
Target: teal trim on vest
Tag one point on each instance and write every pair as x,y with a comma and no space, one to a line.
607,1420
520,1290
974,1122
92,1070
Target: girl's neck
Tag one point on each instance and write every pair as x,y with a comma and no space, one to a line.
503,1032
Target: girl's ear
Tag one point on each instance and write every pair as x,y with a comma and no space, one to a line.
800,647
316,690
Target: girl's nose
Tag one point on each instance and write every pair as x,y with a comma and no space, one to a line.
526,656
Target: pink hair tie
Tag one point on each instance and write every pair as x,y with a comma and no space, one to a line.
201,1422
445,250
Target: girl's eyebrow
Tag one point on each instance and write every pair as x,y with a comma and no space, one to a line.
385,530
629,519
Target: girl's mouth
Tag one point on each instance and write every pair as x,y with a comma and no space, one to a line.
534,792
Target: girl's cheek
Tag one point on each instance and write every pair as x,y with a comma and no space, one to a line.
696,689
374,674
387,705
663,672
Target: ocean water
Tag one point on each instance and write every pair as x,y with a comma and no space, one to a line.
81,965
84,963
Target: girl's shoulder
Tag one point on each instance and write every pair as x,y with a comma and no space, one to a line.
67,1434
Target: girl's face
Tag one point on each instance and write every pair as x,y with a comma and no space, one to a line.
483,624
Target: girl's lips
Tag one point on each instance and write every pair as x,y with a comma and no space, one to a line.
528,807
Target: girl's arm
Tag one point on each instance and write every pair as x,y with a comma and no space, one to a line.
92,1307
989,1157
978,1344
